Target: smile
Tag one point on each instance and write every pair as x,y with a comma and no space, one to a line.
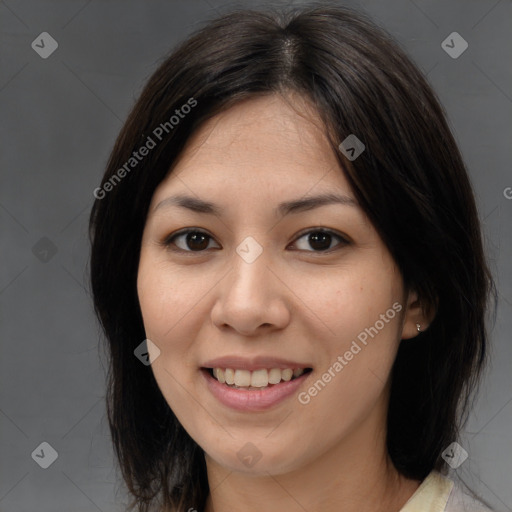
256,390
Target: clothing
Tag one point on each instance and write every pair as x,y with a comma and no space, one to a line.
438,493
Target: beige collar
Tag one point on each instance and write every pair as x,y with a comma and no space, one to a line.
431,496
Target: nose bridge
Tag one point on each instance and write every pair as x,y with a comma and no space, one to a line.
250,270
250,295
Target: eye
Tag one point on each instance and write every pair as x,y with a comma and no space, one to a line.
321,239
193,240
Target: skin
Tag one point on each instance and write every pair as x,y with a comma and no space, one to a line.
294,301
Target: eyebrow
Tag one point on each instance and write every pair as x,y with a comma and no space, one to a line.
285,208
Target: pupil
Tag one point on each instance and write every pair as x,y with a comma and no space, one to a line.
194,237
320,237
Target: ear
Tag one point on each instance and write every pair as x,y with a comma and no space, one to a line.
416,313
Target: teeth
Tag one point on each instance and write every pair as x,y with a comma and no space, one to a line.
287,374
256,379
259,378
220,376
274,376
242,378
229,375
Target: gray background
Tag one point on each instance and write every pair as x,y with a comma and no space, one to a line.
59,119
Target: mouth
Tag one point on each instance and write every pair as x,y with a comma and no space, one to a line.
257,390
256,380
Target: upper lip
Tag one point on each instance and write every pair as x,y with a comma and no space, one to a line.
253,363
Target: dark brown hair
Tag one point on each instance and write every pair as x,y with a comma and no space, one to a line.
411,181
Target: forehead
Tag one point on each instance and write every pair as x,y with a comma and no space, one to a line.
267,145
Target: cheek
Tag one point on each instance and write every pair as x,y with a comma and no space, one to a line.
168,322
165,298
363,311
348,302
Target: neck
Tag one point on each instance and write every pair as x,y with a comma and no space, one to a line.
356,475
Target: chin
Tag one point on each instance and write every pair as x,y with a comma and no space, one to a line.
258,458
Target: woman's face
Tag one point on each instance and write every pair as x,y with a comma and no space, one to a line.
259,292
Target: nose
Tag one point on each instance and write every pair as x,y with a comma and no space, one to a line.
251,299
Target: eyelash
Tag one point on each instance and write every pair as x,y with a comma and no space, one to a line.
168,242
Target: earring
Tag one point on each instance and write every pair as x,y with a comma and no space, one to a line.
418,326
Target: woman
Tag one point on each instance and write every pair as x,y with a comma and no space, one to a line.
287,264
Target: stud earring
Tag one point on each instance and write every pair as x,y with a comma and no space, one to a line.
418,327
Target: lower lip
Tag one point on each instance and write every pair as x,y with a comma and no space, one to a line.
253,400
